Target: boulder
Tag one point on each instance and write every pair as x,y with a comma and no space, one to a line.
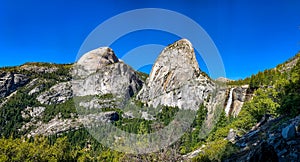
288,132
231,135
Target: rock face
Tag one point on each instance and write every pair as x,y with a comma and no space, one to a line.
239,97
59,125
176,80
57,94
94,60
289,64
36,89
9,82
100,72
33,112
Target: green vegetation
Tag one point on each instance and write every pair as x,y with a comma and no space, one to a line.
79,145
135,125
39,150
10,113
275,92
192,139
11,119
64,110
142,75
43,149
106,96
270,76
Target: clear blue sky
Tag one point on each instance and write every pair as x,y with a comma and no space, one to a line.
250,35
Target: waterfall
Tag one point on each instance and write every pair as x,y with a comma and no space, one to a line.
229,102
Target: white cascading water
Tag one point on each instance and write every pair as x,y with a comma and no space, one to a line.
229,102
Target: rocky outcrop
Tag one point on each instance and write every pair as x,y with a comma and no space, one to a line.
287,66
33,112
36,89
9,82
97,118
100,102
58,125
33,115
232,135
223,80
57,94
35,86
54,126
176,80
147,116
275,140
38,69
100,72
193,154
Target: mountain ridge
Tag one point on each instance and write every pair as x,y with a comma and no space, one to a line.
41,102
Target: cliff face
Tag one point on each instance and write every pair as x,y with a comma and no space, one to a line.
175,79
42,95
100,72
239,98
48,99
9,82
100,80
237,95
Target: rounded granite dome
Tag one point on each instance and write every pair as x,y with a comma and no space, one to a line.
96,59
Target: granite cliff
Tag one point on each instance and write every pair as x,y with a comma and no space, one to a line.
50,100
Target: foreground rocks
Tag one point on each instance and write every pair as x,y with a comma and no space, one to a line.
276,140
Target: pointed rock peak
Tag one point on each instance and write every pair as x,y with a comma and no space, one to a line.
177,60
175,79
182,43
96,59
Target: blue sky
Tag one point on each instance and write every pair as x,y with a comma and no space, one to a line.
250,35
